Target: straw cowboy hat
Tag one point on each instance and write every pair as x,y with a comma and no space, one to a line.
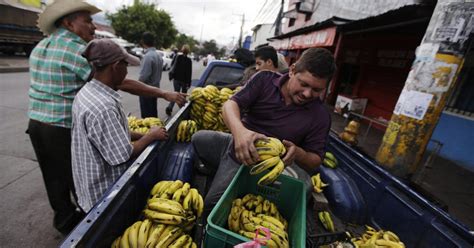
59,8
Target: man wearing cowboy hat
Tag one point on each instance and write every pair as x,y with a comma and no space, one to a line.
58,72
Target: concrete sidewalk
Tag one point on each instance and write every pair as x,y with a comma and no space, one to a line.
444,183
13,64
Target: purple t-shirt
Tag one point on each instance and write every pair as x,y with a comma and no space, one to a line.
307,126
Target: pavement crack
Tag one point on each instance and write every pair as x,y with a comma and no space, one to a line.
18,178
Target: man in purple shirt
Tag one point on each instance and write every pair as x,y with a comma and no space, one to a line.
286,107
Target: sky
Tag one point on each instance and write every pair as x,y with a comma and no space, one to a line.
209,19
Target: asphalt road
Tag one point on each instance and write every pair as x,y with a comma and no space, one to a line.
24,209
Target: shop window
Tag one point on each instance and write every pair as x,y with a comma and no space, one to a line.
291,22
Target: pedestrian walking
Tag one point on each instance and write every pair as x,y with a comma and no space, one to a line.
150,73
180,72
57,73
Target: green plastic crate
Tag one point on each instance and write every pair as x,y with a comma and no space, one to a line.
287,193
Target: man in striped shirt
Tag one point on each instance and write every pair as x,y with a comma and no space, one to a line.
100,136
58,72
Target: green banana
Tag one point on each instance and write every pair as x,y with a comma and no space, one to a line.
329,163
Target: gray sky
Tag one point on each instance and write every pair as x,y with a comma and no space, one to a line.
218,19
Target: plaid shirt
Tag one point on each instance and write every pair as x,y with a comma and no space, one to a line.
100,142
58,72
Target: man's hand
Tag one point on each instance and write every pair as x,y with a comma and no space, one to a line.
177,97
158,133
245,150
290,154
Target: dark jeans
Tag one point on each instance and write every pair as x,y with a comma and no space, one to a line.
148,106
52,147
178,87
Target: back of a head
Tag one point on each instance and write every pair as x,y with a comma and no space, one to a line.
244,57
317,61
148,39
267,52
185,49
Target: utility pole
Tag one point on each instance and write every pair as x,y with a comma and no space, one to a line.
202,25
279,18
432,77
241,30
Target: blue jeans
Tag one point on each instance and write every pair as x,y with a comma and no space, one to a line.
178,87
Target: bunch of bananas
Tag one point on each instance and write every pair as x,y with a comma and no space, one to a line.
252,212
374,238
318,184
143,125
326,220
269,150
330,160
147,234
181,194
170,213
186,129
207,104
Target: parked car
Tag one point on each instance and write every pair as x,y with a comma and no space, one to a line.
166,59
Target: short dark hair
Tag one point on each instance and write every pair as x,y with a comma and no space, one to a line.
317,61
148,39
267,53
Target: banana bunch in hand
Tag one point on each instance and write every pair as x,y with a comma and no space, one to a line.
206,107
181,193
143,125
186,129
318,184
251,212
330,160
326,220
374,238
144,233
269,150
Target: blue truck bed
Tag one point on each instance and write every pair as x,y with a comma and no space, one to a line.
384,201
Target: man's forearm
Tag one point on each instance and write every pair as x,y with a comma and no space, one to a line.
231,115
140,89
307,160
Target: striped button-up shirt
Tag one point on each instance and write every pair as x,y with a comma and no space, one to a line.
100,142
58,71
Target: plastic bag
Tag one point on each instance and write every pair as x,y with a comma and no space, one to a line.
256,242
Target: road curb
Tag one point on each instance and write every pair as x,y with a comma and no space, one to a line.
13,69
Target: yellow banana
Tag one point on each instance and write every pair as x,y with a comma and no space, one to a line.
264,165
194,245
173,187
143,232
177,195
171,236
163,218
271,176
197,201
268,151
124,240
187,202
180,242
133,234
154,236
272,220
387,243
186,187
158,187
390,236
166,206
237,202
247,198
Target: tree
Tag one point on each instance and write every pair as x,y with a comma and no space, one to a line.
130,22
183,39
209,47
